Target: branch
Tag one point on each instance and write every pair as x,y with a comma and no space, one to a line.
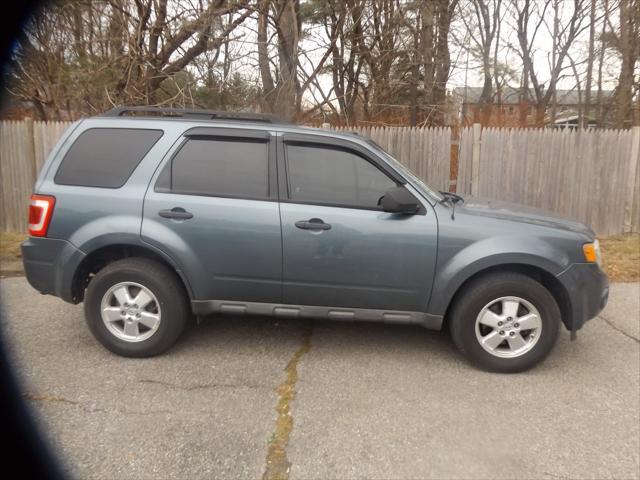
199,47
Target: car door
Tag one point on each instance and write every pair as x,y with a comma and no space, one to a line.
339,248
213,208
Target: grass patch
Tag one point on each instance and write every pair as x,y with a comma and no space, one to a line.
10,245
10,256
621,257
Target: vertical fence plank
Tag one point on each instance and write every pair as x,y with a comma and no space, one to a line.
631,185
475,159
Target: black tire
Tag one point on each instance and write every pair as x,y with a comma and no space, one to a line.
482,291
166,287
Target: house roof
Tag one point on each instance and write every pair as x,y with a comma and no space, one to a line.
512,95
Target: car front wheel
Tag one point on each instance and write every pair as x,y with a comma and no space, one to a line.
505,322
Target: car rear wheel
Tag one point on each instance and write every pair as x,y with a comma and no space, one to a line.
136,307
505,322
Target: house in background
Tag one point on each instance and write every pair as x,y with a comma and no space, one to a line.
509,109
571,120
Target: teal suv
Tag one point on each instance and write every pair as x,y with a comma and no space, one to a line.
152,216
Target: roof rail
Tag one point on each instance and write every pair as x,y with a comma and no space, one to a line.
192,113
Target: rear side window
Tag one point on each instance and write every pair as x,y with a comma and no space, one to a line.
105,157
218,167
335,177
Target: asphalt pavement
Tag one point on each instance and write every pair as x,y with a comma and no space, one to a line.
257,397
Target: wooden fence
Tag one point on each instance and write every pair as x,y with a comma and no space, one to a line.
593,176
24,146
590,175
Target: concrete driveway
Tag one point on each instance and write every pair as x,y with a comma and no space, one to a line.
247,398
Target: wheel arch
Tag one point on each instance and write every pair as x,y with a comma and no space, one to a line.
101,256
539,274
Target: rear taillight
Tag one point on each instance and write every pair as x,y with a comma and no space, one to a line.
40,211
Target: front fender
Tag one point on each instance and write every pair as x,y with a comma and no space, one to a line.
457,266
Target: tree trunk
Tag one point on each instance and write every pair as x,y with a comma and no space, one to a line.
587,95
624,90
554,57
428,49
282,95
599,106
268,87
443,59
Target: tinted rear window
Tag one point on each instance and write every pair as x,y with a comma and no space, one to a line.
220,167
105,157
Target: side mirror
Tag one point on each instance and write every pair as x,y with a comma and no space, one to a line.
399,200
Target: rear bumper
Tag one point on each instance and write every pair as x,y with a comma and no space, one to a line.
50,264
588,289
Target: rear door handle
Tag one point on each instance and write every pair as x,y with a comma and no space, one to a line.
177,213
313,224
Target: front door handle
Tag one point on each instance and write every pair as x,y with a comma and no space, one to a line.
176,213
313,224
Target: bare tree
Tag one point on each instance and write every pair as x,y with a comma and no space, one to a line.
601,55
282,93
169,50
344,22
434,46
355,60
564,36
584,119
482,20
628,45
376,41
86,55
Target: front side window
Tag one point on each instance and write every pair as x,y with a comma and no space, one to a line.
105,157
218,167
405,171
334,176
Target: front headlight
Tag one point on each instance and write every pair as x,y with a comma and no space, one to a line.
592,252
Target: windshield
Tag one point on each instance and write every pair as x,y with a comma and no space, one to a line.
406,172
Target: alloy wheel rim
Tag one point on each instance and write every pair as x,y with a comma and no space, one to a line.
508,327
130,311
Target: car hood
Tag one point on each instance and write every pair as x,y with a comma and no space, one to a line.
520,213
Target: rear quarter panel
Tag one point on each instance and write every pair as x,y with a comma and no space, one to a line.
90,217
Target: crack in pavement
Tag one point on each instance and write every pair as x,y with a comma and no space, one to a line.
48,398
57,399
200,386
553,475
278,465
618,329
